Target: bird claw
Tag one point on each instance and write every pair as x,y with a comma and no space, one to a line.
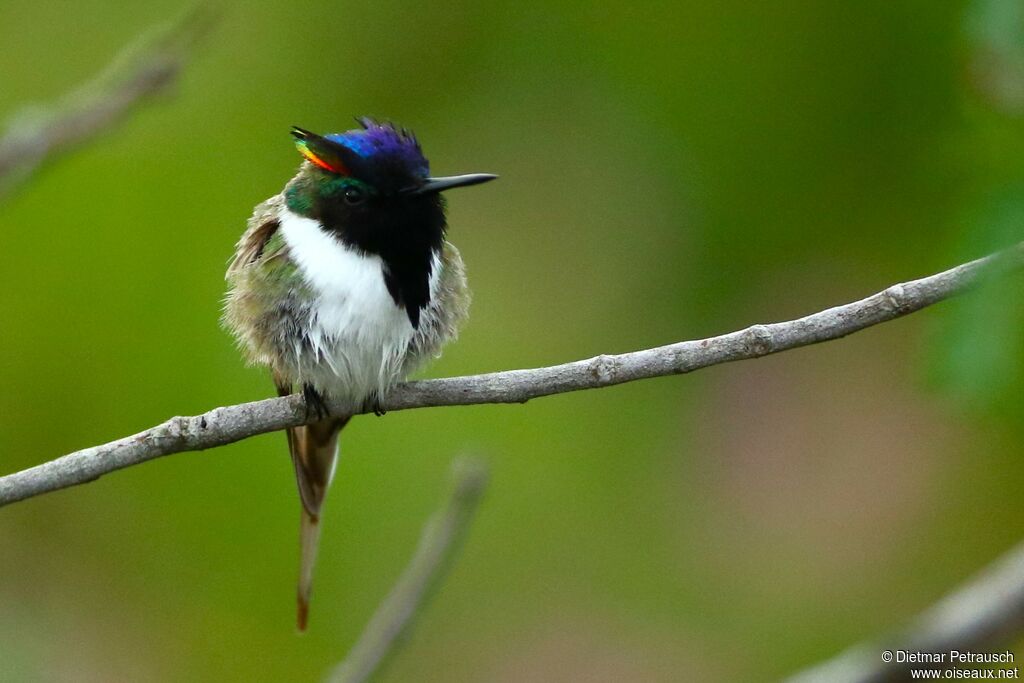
316,403
373,403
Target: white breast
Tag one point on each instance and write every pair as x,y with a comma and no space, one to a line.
359,336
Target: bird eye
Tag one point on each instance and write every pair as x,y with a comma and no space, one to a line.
354,195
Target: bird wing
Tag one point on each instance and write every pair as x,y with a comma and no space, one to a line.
254,243
444,315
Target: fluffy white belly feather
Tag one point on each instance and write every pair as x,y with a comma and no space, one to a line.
359,336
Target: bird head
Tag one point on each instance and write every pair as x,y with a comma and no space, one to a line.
375,169
372,189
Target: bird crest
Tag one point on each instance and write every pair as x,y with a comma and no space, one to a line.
377,153
326,154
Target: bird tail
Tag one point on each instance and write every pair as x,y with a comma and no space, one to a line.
314,449
309,541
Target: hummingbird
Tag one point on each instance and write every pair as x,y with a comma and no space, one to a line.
342,285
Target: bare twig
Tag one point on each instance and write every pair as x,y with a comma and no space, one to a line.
148,66
226,425
987,612
438,543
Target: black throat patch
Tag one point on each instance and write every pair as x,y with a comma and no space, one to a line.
405,231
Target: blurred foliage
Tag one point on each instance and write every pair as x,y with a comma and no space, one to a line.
978,347
668,171
996,29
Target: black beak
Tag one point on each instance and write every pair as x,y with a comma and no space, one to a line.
448,182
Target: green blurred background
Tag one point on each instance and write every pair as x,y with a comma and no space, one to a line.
668,171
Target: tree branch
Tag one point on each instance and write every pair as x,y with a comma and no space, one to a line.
986,612
440,539
226,425
148,66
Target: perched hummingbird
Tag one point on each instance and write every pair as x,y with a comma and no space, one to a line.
342,285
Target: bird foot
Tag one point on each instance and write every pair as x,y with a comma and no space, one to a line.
373,403
316,402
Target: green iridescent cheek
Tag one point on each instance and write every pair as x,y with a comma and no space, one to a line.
298,200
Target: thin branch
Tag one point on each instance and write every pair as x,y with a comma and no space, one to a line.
390,624
987,612
226,425
148,66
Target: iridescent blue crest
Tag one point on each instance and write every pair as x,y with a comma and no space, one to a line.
380,154
384,144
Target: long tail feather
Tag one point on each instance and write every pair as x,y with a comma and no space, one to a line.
309,541
314,449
